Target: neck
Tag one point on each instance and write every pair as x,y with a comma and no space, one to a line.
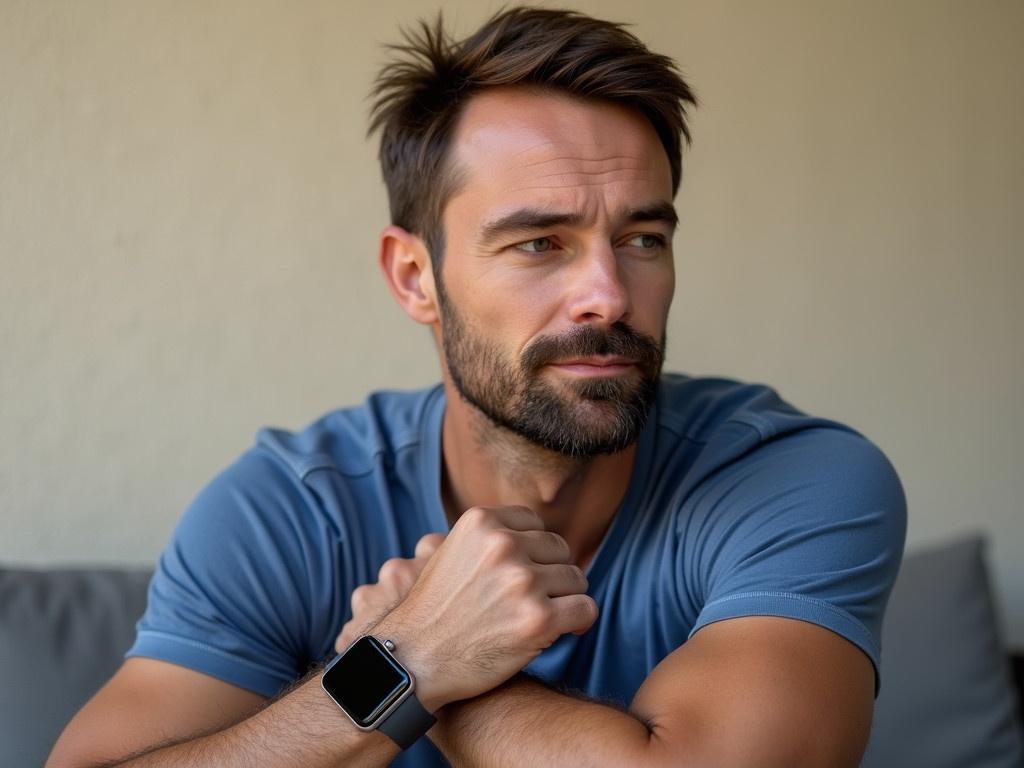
487,465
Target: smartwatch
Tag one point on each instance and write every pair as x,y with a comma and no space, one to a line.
376,691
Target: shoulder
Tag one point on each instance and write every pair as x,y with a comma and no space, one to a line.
246,589
268,501
763,477
784,513
698,407
292,491
353,441
718,424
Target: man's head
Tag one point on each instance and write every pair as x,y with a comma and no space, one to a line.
531,170
420,97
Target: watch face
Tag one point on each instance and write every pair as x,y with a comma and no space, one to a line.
365,681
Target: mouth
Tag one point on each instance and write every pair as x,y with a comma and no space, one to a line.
597,366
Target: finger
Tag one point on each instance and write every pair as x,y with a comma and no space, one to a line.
560,580
544,546
360,598
397,575
345,638
573,613
428,545
516,518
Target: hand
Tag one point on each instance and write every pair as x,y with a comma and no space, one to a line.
497,592
371,602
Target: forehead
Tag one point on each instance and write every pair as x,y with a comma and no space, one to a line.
518,144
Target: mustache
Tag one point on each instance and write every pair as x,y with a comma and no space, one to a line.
588,341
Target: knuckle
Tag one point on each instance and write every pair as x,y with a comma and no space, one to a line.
474,517
536,618
560,544
359,597
393,570
535,516
528,513
522,580
428,544
500,544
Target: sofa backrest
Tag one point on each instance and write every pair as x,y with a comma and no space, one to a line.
62,635
948,696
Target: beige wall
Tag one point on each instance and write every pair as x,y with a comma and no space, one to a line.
188,214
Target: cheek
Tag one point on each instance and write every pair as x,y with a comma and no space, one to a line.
516,307
653,289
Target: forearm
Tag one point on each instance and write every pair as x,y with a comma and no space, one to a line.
523,723
303,728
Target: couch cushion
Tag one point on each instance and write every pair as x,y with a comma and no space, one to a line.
947,698
62,634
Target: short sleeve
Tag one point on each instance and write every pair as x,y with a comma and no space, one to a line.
809,526
231,593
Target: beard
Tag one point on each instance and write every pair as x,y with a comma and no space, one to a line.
576,418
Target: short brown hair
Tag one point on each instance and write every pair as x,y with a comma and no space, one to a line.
417,99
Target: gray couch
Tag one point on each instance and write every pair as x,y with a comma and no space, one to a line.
947,698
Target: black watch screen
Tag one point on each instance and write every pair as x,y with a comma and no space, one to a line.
365,681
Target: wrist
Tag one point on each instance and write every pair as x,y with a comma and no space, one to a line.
412,653
376,691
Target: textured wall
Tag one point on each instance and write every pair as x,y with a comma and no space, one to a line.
189,211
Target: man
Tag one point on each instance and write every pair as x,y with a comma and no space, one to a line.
563,555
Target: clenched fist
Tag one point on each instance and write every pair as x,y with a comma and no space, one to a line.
495,593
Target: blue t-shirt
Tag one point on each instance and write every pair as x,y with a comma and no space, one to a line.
738,505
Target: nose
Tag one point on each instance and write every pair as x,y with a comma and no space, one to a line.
598,292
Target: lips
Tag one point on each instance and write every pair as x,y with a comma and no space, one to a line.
595,367
604,361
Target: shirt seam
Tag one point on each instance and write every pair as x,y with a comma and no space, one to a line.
801,598
198,644
304,471
764,428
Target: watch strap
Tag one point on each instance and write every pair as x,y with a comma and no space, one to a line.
407,723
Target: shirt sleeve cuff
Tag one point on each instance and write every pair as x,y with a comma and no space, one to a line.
264,680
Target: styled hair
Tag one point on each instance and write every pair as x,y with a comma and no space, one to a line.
418,97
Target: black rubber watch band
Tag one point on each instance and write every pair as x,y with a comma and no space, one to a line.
407,723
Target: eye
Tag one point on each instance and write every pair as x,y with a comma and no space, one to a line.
537,245
647,241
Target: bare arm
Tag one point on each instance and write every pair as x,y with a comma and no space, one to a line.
751,691
495,594
754,691
156,714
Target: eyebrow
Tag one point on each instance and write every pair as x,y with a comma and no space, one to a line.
661,211
526,220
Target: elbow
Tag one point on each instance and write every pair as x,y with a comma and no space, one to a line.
58,759
61,757
669,748
68,754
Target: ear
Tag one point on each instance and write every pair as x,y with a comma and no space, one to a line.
407,269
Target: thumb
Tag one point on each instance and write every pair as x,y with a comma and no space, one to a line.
426,546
